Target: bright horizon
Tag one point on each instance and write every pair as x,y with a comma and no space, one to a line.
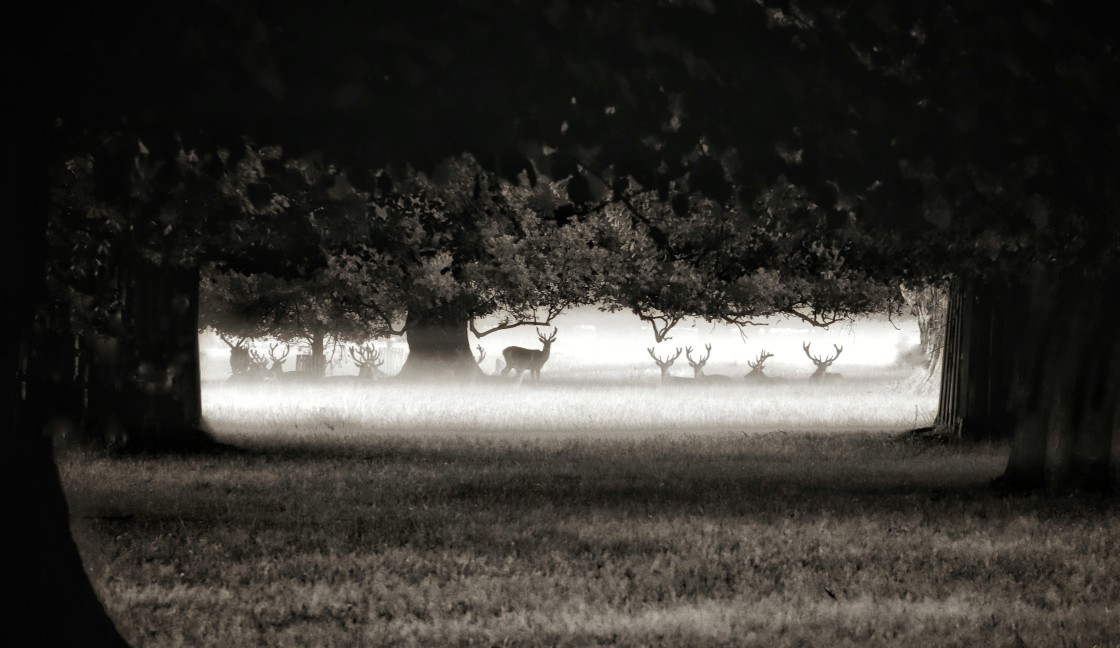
589,338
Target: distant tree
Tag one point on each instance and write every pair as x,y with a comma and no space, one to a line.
737,264
447,250
308,310
928,304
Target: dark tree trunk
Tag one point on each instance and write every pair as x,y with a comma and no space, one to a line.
318,362
1036,359
1064,382
54,603
948,407
55,356
161,308
976,358
438,346
144,384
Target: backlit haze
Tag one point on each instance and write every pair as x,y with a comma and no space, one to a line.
614,345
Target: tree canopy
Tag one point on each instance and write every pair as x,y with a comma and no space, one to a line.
939,130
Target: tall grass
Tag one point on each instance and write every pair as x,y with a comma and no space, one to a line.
289,413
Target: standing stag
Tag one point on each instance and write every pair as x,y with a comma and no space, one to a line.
758,365
664,363
521,359
823,365
698,366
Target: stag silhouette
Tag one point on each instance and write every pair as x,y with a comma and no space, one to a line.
520,359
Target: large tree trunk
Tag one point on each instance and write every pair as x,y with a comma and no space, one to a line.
164,387
54,603
1065,382
975,361
318,363
143,389
438,346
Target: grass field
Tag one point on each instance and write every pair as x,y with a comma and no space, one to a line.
610,514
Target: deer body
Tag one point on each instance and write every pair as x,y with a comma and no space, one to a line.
520,359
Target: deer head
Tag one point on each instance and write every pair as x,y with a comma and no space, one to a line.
278,362
547,341
664,363
368,358
257,362
698,365
758,365
239,359
822,364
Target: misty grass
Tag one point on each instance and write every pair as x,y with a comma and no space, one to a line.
684,534
250,413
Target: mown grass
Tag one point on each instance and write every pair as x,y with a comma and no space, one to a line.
669,537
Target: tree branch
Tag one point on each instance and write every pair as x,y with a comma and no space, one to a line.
819,320
660,334
388,321
506,323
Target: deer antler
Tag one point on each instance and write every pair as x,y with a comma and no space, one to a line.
366,355
551,338
702,361
481,354
663,363
257,359
229,341
817,361
762,357
272,351
822,364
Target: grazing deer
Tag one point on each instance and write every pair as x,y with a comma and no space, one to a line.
758,365
531,360
664,363
698,366
823,365
368,359
278,363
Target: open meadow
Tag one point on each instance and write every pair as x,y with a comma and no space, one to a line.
585,513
